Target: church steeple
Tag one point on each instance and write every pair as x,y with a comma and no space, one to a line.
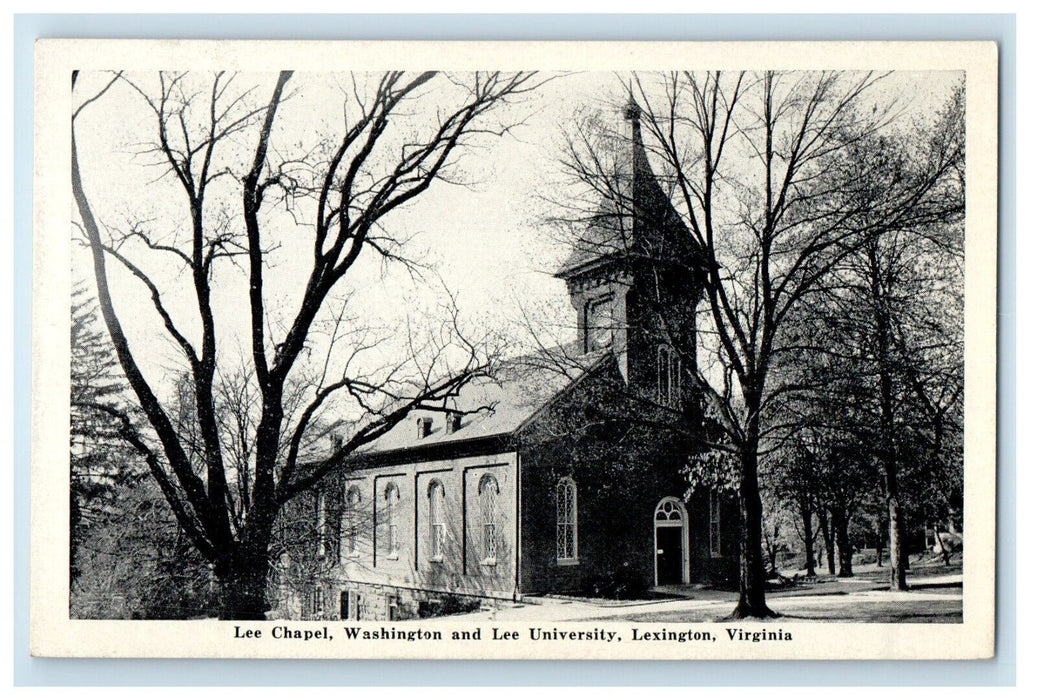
630,262
611,230
632,112
646,195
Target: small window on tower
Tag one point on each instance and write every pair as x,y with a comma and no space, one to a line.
599,324
668,390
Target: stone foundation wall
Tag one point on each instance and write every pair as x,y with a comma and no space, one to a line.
369,601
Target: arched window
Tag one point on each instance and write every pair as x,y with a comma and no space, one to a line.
351,522
436,521
565,501
488,492
598,324
668,391
668,512
392,507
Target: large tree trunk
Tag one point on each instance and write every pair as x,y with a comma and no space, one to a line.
897,553
880,545
752,581
826,536
905,551
808,535
243,577
841,526
939,544
887,445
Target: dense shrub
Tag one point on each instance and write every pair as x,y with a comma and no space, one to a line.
623,583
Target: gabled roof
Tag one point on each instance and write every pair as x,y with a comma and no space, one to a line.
496,407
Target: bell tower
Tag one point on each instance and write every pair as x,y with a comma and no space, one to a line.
635,276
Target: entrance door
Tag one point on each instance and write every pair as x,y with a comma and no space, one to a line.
671,536
669,557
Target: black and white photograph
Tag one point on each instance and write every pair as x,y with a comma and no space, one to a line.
679,351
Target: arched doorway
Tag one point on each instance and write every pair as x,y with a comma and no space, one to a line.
671,542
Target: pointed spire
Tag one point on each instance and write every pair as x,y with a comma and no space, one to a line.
633,110
632,113
643,178
637,217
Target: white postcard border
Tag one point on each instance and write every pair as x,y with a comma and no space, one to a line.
53,634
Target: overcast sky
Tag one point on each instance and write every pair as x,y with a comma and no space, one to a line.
485,240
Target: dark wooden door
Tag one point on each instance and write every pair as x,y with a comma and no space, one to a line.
343,606
668,556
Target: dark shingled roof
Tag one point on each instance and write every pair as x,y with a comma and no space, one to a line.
608,235
501,406
635,217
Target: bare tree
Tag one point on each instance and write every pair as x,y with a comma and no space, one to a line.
331,203
774,180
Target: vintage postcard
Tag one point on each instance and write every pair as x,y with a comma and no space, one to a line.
514,350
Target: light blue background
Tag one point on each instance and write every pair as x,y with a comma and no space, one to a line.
1000,671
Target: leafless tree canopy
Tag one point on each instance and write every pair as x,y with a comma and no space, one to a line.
246,187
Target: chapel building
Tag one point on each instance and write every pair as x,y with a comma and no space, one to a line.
566,474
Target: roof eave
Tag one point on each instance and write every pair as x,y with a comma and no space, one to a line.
570,271
482,444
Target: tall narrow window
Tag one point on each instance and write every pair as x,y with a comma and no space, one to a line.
322,524
318,601
436,521
392,507
669,377
565,501
488,492
351,526
714,523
